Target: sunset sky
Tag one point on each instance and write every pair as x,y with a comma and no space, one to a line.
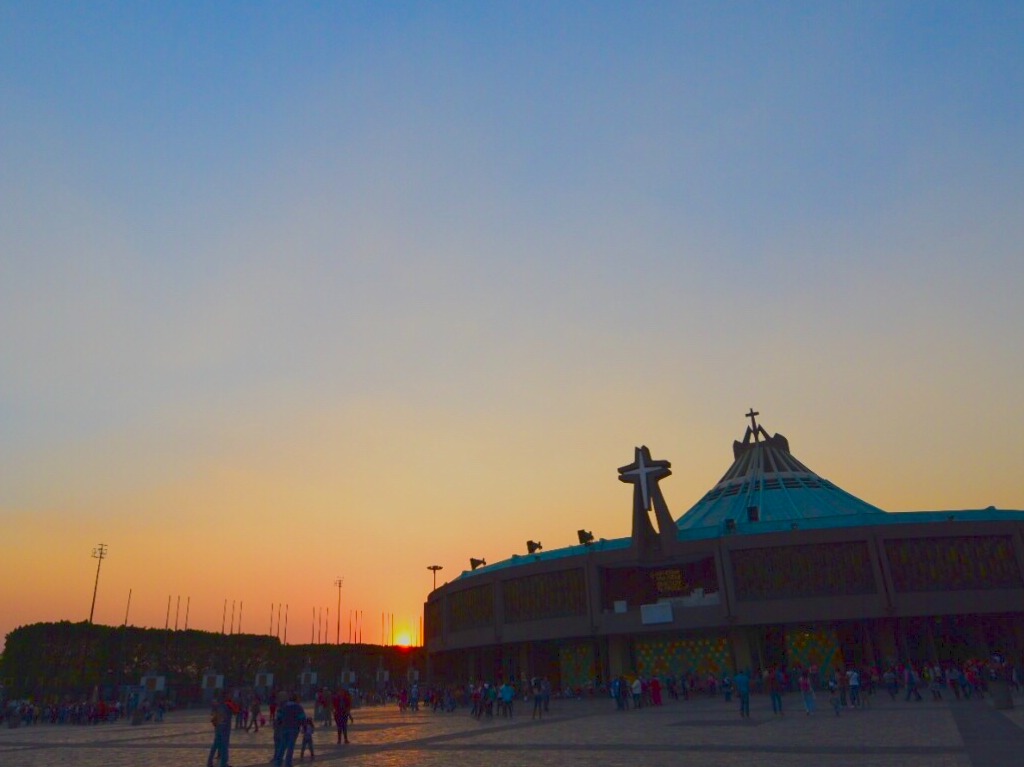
294,291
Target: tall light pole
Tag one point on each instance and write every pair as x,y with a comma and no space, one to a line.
338,581
99,554
434,569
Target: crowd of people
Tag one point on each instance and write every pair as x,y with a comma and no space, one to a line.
285,715
848,687
81,712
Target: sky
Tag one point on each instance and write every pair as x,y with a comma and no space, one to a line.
294,292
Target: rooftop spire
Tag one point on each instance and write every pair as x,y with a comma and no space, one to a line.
752,415
755,430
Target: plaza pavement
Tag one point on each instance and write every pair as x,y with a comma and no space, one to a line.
705,731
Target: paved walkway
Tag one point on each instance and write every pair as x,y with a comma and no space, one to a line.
590,732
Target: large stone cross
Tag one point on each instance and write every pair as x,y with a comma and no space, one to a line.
644,474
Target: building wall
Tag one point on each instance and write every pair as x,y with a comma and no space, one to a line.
815,579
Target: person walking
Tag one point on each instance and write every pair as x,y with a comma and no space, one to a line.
638,690
936,682
892,685
342,704
538,699
833,696
655,691
254,714
622,693
290,717
807,691
220,718
507,695
912,680
742,684
307,728
775,681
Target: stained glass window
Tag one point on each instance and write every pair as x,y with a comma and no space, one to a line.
953,564
701,655
576,662
814,570
471,608
547,595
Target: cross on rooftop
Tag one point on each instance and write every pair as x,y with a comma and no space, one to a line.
752,415
644,472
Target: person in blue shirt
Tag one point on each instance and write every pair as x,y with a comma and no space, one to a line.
289,719
742,684
220,718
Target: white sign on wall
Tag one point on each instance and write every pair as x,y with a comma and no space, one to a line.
658,613
154,683
213,681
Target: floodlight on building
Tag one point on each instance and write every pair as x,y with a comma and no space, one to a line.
586,537
475,563
533,546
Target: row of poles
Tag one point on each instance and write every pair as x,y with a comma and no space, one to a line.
318,629
318,633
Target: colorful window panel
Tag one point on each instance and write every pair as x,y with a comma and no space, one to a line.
691,655
815,570
471,608
547,595
577,666
814,649
953,564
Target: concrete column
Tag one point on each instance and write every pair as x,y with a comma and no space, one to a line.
618,656
739,640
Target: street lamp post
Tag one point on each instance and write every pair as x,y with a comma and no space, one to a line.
434,569
338,581
99,554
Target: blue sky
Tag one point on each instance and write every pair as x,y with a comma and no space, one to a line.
411,267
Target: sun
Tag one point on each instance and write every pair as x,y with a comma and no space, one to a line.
403,639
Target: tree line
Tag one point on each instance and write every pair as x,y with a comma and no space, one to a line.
53,660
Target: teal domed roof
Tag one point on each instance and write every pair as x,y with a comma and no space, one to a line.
767,487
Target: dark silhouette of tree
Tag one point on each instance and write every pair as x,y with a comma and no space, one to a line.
53,660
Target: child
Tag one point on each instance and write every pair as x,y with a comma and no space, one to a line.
834,697
306,728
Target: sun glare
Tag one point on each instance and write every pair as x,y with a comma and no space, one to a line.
403,639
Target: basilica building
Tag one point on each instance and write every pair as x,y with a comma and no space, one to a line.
773,565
